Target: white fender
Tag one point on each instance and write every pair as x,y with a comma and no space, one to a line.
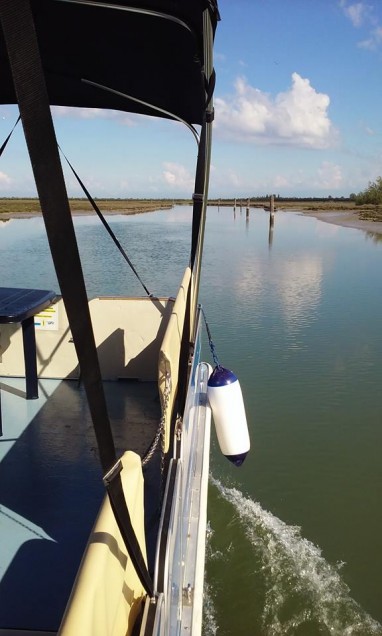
227,405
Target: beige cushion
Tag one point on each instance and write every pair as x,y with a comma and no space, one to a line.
107,593
170,351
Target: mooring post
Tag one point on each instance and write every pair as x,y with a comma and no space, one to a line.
272,211
270,236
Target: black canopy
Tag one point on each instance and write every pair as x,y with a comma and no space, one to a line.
150,50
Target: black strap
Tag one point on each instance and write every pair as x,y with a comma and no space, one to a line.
9,136
28,77
113,484
105,223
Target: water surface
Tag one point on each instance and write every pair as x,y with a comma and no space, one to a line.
295,543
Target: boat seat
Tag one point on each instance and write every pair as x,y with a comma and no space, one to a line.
107,594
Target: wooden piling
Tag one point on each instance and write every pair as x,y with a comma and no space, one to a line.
272,211
270,236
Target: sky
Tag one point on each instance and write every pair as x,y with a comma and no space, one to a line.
298,112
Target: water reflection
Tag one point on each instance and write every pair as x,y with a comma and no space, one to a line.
376,237
299,287
271,229
311,386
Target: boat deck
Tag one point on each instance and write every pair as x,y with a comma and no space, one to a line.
51,488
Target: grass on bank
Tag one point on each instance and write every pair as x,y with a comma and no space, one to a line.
129,206
136,206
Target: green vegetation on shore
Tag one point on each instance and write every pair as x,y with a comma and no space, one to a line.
371,200
126,206
134,206
363,204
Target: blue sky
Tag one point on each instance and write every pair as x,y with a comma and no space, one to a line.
298,106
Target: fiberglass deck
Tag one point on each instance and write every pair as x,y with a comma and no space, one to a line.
51,488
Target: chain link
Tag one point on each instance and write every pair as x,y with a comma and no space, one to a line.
210,342
160,434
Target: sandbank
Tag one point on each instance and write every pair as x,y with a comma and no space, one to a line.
347,219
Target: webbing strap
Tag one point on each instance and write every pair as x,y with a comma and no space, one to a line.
8,138
113,484
28,77
105,223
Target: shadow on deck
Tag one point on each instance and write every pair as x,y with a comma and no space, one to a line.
51,488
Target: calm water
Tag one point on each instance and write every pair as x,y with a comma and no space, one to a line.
296,532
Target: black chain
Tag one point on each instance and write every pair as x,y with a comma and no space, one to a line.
210,341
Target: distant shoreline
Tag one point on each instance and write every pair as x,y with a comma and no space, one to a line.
6,216
29,208
341,214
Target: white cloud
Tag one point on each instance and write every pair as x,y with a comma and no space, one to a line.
178,176
221,179
94,185
357,12
219,57
374,41
326,178
5,180
363,15
329,176
297,117
124,185
280,181
127,119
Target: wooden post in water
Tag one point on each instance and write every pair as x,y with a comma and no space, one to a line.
272,211
271,220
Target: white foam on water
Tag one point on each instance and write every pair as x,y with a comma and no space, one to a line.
210,626
303,592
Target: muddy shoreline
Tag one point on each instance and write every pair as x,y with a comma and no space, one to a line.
346,219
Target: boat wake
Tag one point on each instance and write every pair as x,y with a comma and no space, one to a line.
303,593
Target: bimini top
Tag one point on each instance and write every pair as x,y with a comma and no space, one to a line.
101,54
